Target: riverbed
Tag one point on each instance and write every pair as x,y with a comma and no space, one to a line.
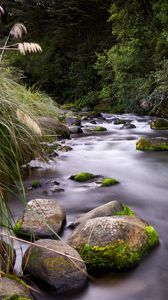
143,178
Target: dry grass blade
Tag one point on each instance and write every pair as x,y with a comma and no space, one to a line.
1,10
29,48
18,30
28,121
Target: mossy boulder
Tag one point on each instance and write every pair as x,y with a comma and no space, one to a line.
83,176
108,181
113,243
42,218
111,208
7,257
98,129
120,121
152,144
159,124
51,126
13,288
56,264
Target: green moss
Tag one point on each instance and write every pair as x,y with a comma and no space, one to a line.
100,128
145,145
108,182
126,211
35,184
152,237
82,177
13,277
18,226
160,124
117,256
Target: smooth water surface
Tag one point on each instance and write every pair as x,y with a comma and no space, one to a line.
143,178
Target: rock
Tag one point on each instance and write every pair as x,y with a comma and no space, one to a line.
93,122
108,182
159,124
152,144
112,208
84,118
75,130
98,129
52,126
64,148
114,243
14,288
73,121
82,177
7,257
96,115
55,267
128,126
119,121
42,218
35,184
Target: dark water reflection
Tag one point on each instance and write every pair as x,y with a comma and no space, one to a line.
143,186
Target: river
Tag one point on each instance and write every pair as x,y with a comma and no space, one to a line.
143,178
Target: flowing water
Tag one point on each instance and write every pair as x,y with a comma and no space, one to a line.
143,186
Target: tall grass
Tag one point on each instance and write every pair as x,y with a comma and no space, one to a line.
19,141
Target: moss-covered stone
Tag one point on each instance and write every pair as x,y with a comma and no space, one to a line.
126,211
154,144
159,124
118,255
55,263
108,181
35,184
82,177
114,243
13,288
99,128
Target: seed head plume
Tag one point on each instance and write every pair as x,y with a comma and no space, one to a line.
18,30
1,11
29,48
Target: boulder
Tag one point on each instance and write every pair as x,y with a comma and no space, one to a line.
159,124
75,130
119,121
109,209
56,264
83,177
152,144
14,288
128,126
73,121
42,218
113,243
7,257
51,126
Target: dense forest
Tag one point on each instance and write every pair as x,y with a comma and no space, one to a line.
111,55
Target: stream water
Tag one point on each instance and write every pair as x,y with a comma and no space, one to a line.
143,186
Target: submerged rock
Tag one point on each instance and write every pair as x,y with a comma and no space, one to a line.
115,243
82,177
108,181
112,208
57,264
128,126
42,218
152,144
159,124
13,288
7,257
119,121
